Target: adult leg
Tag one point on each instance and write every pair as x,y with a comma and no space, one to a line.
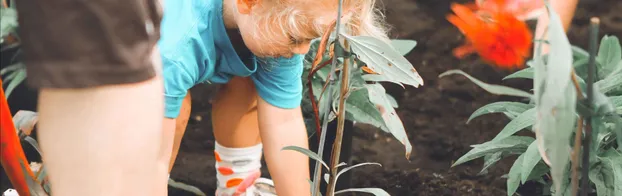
100,102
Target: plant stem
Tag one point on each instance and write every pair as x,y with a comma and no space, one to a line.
331,81
577,139
341,117
585,183
575,156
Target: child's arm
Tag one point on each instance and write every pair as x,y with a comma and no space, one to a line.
280,128
565,9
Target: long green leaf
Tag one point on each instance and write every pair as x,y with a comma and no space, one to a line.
612,160
489,161
374,191
524,120
380,78
508,144
526,73
8,22
555,101
403,46
383,59
185,187
377,95
307,152
359,109
530,160
610,83
491,88
609,55
514,176
18,79
355,166
503,106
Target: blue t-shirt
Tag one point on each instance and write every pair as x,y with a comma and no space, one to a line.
195,48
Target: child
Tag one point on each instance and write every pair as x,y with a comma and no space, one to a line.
255,48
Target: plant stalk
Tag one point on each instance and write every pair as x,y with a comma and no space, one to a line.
585,183
317,178
341,117
577,139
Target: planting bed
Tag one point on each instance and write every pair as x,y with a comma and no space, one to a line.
434,115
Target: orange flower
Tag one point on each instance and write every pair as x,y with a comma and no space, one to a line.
497,36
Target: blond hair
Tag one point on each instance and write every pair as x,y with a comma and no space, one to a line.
292,16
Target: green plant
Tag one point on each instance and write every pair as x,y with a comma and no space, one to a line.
15,72
361,62
564,95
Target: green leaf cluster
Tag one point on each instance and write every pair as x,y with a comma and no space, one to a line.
15,72
551,115
367,101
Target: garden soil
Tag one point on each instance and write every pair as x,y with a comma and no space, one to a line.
434,115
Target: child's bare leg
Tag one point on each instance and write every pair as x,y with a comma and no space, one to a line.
238,147
181,122
234,114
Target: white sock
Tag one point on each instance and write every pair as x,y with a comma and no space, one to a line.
237,168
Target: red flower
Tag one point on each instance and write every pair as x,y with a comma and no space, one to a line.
499,37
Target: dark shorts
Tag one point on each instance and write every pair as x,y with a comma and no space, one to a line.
88,43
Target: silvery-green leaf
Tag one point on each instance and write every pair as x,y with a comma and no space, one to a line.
530,160
559,59
355,166
377,95
612,161
538,172
522,121
503,106
508,144
392,100
555,101
307,152
19,77
610,83
491,88
383,59
609,55
8,22
185,187
579,53
514,176
25,121
555,125
380,78
374,191
489,161
403,46
360,109
526,73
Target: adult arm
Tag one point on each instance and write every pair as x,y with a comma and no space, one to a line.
565,9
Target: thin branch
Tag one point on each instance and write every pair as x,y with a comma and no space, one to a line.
577,139
341,116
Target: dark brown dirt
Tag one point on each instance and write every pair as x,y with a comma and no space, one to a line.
434,115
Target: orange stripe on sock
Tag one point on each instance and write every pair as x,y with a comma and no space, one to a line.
234,182
225,171
217,156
